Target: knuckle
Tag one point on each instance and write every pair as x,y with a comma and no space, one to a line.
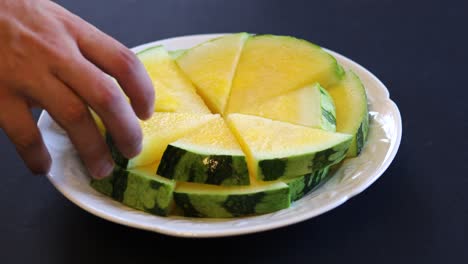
133,137
62,57
27,139
126,61
137,136
132,144
75,112
94,151
108,95
72,23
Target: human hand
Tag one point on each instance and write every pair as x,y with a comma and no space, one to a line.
53,59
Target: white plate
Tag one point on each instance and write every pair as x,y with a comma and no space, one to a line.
70,178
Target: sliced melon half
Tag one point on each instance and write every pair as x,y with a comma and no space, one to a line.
158,132
281,150
309,106
209,155
273,65
138,188
352,116
202,200
174,92
211,67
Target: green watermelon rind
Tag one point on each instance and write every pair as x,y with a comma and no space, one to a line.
233,202
292,166
136,189
181,164
120,160
301,186
361,131
328,111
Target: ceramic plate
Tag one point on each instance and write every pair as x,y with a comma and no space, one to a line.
71,179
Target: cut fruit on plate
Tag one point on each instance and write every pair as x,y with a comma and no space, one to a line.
201,200
273,65
351,111
139,189
309,106
174,92
159,131
211,67
278,150
71,178
209,155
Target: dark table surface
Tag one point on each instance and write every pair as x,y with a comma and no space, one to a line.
416,212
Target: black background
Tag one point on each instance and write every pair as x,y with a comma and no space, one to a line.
417,212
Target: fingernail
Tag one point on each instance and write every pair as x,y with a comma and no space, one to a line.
149,114
106,169
137,150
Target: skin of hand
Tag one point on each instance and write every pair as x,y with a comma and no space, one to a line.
51,58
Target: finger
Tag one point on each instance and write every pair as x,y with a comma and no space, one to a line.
21,128
121,63
112,58
102,94
32,103
67,109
